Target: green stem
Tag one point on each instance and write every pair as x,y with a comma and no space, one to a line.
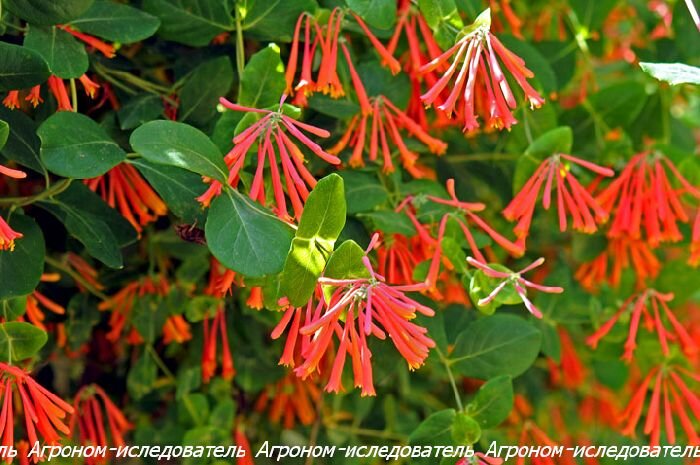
76,277
171,377
451,377
74,95
56,189
240,48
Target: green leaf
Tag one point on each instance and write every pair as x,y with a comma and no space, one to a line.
116,22
181,145
494,346
389,222
20,341
78,194
148,318
557,140
142,376
377,13
200,307
465,430
592,14
75,146
140,109
620,103
22,143
21,268
673,73
90,230
535,61
324,212
345,263
320,225
363,191
302,268
434,12
481,286
246,238
434,430
202,89
273,19
13,308
47,13
379,81
63,53
4,133
262,81
178,188
21,67
493,402
83,315
191,22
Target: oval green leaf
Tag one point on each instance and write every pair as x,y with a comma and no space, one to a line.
246,238
75,146
181,145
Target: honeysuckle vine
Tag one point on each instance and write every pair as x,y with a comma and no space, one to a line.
227,223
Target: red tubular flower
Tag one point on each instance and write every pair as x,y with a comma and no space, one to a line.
694,259
464,217
176,329
295,343
124,188
621,252
122,303
89,85
398,256
34,313
34,96
209,359
386,121
323,39
43,411
515,279
492,96
7,236
638,306
58,89
93,406
570,372
270,133
11,101
221,280
241,441
642,198
85,270
572,197
357,309
670,396
289,401
105,48
515,23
